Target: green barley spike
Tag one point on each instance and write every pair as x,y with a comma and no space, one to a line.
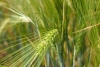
44,45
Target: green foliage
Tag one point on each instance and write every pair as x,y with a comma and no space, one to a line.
50,33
